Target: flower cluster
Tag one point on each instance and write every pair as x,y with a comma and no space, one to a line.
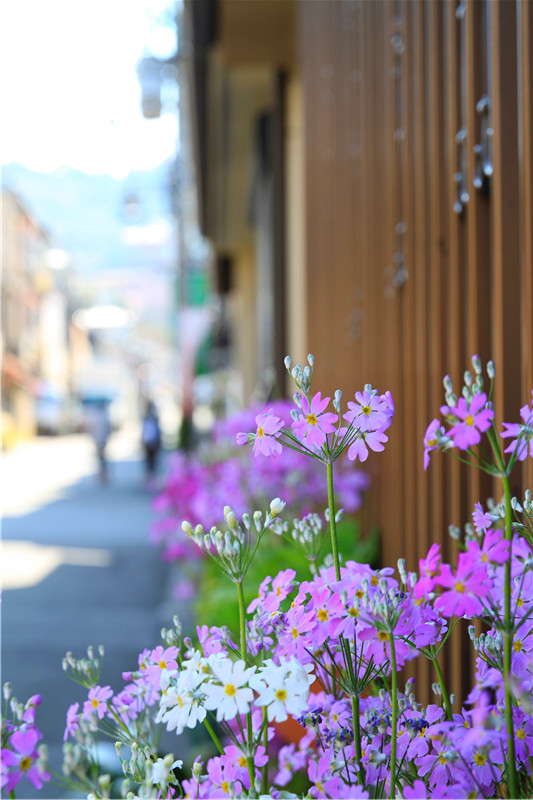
317,432
199,484
326,652
21,755
472,415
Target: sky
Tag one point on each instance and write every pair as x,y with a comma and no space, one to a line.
70,95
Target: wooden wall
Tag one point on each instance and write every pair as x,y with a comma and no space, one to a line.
411,269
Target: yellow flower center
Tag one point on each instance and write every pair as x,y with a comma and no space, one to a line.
230,689
459,587
320,787
359,593
431,443
442,760
322,615
469,420
366,410
95,702
521,734
382,636
225,787
260,431
180,701
353,612
294,633
311,419
281,694
374,580
518,645
162,665
519,602
25,763
480,759
242,761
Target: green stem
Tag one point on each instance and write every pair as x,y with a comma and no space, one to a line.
242,620
357,735
264,777
249,730
442,685
507,644
394,722
213,736
332,524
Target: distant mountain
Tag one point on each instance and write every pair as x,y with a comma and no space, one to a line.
104,223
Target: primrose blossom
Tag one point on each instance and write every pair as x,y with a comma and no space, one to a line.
314,422
473,419
265,441
522,444
230,695
22,760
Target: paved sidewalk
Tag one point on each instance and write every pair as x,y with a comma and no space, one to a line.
78,570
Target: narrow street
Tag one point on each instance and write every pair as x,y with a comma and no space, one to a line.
78,569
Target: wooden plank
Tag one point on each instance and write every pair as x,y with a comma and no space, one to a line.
505,220
525,154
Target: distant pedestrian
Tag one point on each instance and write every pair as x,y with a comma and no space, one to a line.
100,430
151,440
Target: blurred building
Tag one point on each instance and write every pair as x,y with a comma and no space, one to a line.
24,246
41,346
365,176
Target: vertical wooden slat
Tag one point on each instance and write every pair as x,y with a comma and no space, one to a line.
525,67
505,220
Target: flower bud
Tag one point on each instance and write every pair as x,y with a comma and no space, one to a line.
311,359
287,362
491,370
186,527
276,506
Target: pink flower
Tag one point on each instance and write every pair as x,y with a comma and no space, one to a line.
97,702
265,442
494,549
464,589
364,441
369,412
475,419
314,423
19,761
429,567
162,659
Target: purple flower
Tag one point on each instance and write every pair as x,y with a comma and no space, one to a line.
522,443
314,423
73,721
434,432
20,760
474,418
482,520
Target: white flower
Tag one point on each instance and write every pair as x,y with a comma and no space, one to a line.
162,770
181,703
230,695
283,689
